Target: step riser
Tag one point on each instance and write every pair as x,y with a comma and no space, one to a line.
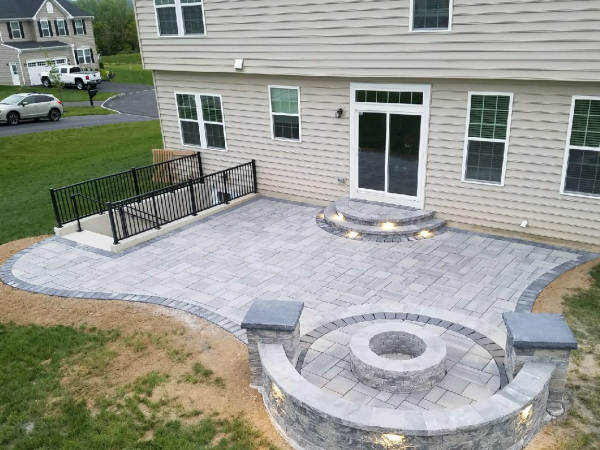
402,216
375,232
378,223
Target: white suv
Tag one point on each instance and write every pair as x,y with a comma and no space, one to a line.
34,106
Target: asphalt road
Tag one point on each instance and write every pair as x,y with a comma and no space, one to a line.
137,104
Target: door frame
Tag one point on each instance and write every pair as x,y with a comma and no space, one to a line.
393,108
10,68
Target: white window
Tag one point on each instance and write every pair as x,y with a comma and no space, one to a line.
486,138
45,28
15,30
284,102
84,56
430,15
61,27
201,120
180,17
79,26
581,171
49,7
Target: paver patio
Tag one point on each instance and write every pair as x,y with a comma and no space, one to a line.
273,249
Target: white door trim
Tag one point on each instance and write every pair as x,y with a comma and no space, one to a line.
15,77
423,110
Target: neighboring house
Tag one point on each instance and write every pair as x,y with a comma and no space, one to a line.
486,112
31,31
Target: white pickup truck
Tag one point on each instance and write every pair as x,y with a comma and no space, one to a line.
73,76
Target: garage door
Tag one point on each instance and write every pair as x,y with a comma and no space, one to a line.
36,67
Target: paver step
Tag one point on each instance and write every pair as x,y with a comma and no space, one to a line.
413,229
375,213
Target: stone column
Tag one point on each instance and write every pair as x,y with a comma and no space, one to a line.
272,322
540,338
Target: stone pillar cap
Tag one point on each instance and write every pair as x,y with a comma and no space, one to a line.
531,330
273,315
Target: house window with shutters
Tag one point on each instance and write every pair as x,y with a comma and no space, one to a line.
79,26
487,136
201,120
430,15
180,17
61,27
84,56
45,30
15,30
581,173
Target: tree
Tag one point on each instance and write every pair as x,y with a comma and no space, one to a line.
54,76
114,25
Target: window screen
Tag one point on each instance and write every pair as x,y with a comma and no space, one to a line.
201,120
583,165
431,14
285,112
180,17
487,134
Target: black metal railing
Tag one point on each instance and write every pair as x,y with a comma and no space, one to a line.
152,210
87,198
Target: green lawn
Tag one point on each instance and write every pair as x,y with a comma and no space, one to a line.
128,69
71,111
68,94
32,164
40,410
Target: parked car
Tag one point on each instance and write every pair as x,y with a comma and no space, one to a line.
73,76
32,105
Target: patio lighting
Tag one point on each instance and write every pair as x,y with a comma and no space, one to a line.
393,438
340,216
321,216
425,234
352,234
526,413
277,394
387,225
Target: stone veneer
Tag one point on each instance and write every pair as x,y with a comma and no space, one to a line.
421,372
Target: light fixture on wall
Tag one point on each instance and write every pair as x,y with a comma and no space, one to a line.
239,64
339,113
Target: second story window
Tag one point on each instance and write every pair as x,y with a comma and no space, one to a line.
61,27
15,30
180,17
431,15
79,26
45,30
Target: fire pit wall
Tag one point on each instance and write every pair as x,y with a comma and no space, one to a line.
311,419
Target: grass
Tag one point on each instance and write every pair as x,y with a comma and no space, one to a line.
128,69
582,312
68,94
71,111
39,410
31,165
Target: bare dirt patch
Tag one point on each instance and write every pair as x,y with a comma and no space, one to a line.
153,338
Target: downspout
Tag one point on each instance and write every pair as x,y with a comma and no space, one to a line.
21,66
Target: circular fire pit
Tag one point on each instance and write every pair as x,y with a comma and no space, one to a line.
398,357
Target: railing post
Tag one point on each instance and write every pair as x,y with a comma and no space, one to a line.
135,181
225,190
55,207
76,210
155,213
113,227
254,176
193,198
199,158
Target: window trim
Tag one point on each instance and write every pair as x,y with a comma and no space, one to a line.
180,24
506,141
430,30
64,22
297,88
577,147
47,22
83,49
12,30
201,121
79,22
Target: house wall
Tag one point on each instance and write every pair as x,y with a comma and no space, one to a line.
309,170
504,39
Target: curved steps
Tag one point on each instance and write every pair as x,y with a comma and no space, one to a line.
378,219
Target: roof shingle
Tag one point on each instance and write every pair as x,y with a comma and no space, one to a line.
25,9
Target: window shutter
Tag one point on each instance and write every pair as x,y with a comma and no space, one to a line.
21,28
92,54
50,28
83,23
76,59
40,28
67,27
9,30
74,27
56,27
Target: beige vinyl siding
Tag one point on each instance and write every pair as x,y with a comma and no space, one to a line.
8,55
507,39
28,30
308,171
